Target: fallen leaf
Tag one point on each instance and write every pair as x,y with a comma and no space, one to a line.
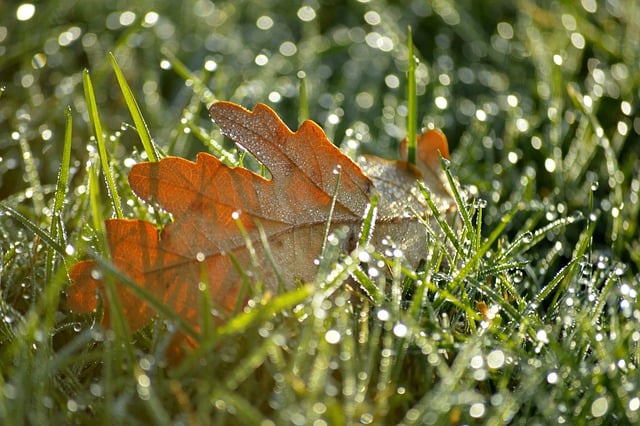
209,200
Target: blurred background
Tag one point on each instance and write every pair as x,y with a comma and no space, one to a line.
538,98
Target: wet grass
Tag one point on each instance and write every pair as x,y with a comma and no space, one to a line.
527,313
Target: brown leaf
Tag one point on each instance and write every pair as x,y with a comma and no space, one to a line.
209,199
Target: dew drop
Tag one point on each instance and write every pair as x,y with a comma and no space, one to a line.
476,362
527,237
96,389
619,269
477,410
366,418
517,276
495,359
363,256
383,315
332,336
481,203
577,215
39,60
602,262
542,337
400,330
599,407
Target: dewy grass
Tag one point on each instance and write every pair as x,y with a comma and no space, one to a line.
524,312
134,110
412,101
99,136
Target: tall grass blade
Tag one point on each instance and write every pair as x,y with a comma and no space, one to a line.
102,150
56,227
412,102
134,110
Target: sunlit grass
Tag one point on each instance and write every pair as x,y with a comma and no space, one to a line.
523,310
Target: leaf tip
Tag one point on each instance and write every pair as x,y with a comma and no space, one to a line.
432,144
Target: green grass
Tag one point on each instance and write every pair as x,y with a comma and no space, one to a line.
525,312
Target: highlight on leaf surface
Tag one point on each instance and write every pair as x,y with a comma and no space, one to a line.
209,200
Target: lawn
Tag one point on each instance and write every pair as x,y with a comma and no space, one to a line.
524,309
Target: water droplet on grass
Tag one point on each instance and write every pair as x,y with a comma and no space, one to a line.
383,315
517,276
332,336
599,407
477,410
400,330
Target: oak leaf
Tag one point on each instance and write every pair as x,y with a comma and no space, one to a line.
209,200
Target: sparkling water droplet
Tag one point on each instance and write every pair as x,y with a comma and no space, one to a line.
363,256
542,337
517,276
383,315
481,203
400,330
620,269
527,237
577,215
495,359
602,262
594,185
332,336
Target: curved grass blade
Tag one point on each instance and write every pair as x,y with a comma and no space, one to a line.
134,110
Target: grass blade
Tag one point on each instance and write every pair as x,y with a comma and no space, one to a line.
97,130
55,229
412,115
303,99
134,110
